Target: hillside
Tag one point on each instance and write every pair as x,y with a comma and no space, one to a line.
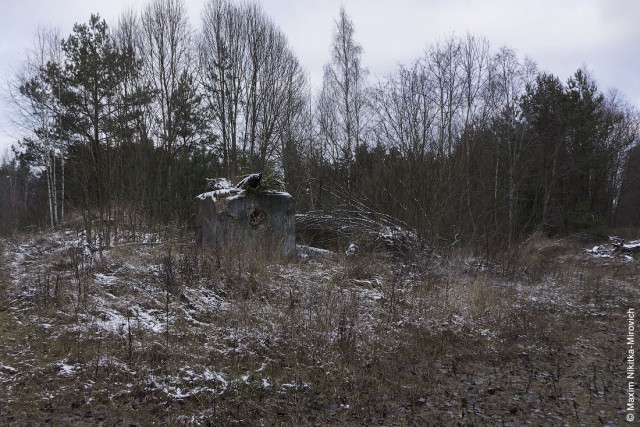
153,331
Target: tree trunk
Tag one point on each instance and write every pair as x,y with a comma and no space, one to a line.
49,192
54,192
62,188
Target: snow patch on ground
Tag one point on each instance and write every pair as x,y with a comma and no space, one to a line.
66,369
616,246
8,369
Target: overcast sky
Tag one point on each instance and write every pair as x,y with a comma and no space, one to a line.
560,35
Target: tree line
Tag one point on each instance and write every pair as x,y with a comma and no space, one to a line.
122,124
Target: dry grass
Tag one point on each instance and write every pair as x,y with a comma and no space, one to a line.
175,335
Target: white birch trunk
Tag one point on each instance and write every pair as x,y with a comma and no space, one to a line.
49,195
54,192
62,188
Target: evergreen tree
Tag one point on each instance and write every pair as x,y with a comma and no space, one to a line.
97,113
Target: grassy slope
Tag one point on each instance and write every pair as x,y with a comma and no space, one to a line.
168,335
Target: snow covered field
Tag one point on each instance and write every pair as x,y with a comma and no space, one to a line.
159,332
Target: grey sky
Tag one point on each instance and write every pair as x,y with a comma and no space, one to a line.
560,35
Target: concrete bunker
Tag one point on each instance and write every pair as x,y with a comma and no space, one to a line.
247,215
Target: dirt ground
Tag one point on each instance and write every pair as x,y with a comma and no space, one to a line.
153,332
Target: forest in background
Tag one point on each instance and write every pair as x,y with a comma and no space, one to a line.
467,143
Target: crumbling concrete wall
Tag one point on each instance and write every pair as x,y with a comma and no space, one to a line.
225,217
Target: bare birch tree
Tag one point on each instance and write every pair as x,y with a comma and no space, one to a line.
253,83
37,112
221,53
167,54
342,101
509,79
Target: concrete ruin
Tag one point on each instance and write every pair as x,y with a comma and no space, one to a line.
232,214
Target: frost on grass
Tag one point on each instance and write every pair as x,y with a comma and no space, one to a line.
184,336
